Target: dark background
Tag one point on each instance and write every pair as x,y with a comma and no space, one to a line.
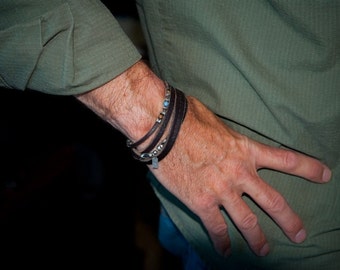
71,194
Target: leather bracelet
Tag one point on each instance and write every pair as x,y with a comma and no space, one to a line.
153,150
181,110
165,122
153,155
160,119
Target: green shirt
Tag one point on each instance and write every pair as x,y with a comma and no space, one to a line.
61,47
270,69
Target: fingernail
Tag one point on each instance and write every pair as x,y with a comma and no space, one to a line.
326,175
300,236
264,250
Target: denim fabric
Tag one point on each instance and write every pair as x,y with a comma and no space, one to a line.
174,242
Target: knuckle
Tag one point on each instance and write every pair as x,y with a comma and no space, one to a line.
240,170
276,204
205,202
289,159
249,222
220,230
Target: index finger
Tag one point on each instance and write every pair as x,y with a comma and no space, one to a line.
292,162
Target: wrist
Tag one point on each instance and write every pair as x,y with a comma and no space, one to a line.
165,130
130,102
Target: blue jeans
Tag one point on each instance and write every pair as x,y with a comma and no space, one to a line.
174,242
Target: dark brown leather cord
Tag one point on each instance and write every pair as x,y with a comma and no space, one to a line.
181,109
158,124
159,148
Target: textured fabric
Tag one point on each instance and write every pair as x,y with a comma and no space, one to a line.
271,70
61,47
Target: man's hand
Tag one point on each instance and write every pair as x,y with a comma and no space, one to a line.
211,166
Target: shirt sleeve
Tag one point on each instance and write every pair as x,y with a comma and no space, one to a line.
62,47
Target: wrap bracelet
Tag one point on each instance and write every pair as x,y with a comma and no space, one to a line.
181,109
166,106
159,146
165,123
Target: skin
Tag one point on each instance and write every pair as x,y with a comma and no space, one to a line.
205,175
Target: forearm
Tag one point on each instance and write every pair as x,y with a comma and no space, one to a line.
130,102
